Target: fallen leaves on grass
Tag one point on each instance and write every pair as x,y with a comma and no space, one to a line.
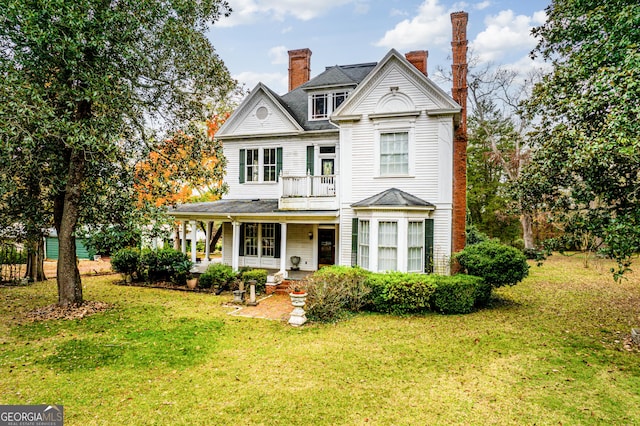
67,312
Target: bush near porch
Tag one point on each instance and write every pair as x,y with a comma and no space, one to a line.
333,290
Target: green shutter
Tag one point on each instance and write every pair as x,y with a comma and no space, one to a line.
310,152
243,153
354,241
278,236
241,245
428,246
278,163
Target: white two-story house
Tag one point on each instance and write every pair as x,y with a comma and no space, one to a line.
355,166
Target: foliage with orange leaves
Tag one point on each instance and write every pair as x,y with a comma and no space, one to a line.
191,160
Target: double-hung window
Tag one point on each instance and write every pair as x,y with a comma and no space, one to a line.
251,239
260,164
394,153
268,239
253,169
363,243
387,246
415,250
269,164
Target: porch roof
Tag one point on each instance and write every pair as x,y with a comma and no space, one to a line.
394,198
231,209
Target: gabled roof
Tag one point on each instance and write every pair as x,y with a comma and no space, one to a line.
445,102
260,91
395,198
297,100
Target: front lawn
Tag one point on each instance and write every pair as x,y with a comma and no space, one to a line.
547,351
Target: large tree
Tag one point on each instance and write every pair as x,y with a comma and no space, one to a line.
586,167
85,86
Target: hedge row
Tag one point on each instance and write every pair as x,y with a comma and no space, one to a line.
336,290
153,266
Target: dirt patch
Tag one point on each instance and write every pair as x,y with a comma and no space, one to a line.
72,312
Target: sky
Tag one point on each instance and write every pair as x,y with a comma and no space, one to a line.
253,42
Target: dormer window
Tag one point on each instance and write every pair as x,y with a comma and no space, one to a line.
321,105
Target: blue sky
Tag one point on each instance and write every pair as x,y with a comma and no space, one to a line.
254,41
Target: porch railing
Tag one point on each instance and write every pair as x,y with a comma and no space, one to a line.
309,186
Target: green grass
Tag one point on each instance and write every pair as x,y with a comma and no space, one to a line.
548,351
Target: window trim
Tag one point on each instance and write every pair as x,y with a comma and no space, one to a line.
395,126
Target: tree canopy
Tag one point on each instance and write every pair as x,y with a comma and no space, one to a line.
586,167
87,89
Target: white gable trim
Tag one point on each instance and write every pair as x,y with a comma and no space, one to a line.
432,90
260,94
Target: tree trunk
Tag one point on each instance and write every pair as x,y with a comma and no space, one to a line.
526,221
69,284
35,261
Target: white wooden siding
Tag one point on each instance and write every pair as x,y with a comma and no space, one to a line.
250,124
294,163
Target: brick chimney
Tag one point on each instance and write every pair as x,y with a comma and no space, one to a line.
299,67
419,59
459,91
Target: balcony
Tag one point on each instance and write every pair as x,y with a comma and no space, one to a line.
308,192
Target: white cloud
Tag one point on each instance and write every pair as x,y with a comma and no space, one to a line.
431,27
249,11
278,82
504,33
482,5
278,55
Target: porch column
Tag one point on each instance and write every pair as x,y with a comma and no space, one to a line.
283,249
194,232
207,251
183,240
235,258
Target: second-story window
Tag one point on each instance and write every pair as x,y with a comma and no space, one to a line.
394,153
269,161
253,169
260,165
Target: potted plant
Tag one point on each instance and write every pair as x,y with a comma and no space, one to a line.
192,281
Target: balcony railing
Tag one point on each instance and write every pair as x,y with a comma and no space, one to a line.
309,186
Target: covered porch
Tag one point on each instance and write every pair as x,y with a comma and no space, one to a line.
257,234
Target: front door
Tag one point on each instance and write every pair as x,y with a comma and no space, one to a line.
326,247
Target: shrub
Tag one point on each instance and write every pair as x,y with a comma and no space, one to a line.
332,291
401,293
455,294
218,276
260,275
483,293
166,265
496,263
126,261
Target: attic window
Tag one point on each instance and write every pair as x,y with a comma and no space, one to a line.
262,113
321,105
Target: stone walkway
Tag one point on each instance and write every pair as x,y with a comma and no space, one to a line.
273,307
